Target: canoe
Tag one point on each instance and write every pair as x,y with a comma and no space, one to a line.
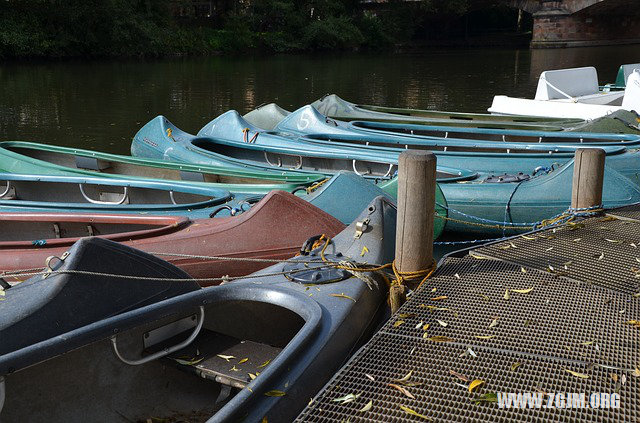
571,99
307,120
43,159
378,165
485,157
333,106
27,239
483,208
99,195
252,350
346,194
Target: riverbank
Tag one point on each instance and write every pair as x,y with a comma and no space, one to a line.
117,28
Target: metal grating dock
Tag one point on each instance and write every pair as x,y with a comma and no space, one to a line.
570,316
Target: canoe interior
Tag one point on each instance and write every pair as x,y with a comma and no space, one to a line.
91,384
30,230
380,142
65,192
115,167
291,161
532,139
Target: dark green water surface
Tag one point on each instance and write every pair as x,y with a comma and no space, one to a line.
100,104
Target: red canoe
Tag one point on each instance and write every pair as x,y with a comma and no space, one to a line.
275,228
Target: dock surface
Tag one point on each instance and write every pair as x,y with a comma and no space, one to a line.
546,312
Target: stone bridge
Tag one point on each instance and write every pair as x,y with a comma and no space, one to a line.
572,23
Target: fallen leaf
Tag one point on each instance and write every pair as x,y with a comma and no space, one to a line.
493,323
225,357
403,390
440,339
614,241
419,324
512,245
601,256
440,298
275,393
523,270
530,238
234,369
614,377
577,240
189,362
473,385
404,378
485,336
371,378
244,360
515,365
576,374
472,353
441,323
636,372
406,315
264,364
398,323
252,376
364,251
342,295
457,276
413,413
346,399
366,408
588,342
477,256
485,297
459,376
426,326
506,294
522,291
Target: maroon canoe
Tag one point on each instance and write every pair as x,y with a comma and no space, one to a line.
274,228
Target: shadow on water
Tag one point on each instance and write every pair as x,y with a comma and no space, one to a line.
101,104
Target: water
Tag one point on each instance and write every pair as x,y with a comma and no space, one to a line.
100,105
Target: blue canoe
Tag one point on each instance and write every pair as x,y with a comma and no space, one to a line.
90,195
160,139
253,350
482,156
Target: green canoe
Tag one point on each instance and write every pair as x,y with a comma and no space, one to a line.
33,158
335,107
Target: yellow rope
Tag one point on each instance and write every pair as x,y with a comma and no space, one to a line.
316,186
400,277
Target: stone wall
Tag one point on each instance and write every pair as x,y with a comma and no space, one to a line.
557,29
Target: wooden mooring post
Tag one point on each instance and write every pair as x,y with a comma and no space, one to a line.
588,177
416,210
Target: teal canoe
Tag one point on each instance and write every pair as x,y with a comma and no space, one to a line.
307,128
83,194
160,139
43,159
335,107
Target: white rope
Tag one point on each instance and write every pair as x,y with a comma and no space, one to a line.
559,90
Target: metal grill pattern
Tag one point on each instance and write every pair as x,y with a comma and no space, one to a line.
598,250
561,324
630,212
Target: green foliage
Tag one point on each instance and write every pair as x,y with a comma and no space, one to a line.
64,28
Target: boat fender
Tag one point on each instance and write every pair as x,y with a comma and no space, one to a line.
519,177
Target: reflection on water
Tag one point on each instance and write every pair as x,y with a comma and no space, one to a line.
100,105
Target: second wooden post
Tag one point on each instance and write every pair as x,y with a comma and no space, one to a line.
588,177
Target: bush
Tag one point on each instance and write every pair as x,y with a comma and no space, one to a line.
332,33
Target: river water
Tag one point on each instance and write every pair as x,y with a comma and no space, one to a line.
100,104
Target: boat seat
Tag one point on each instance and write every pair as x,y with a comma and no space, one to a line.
209,357
91,163
576,82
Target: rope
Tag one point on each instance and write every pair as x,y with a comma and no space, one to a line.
253,139
316,186
559,90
